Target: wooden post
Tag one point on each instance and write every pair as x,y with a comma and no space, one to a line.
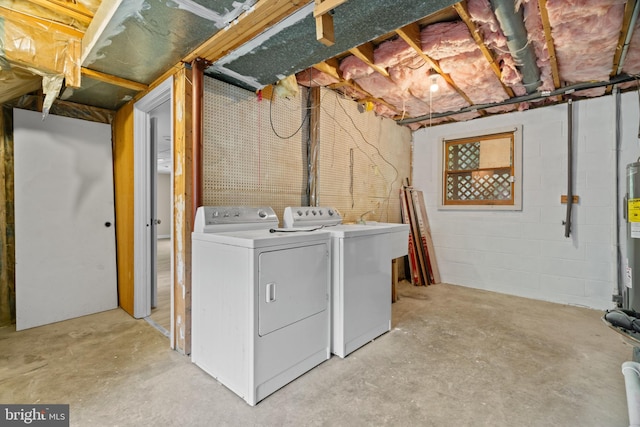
182,209
7,239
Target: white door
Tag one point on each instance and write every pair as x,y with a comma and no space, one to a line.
64,219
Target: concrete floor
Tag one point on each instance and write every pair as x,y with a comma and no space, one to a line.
454,357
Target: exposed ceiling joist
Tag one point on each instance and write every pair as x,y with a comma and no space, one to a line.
72,10
44,24
411,35
330,67
265,14
365,54
544,15
114,80
631,10
98,24
461,8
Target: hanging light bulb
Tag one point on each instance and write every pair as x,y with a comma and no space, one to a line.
434,83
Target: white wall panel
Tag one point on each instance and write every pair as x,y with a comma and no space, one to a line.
525,253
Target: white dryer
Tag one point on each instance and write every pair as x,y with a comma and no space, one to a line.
260,300
361,273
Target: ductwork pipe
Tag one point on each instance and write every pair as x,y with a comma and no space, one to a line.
512,24
631,372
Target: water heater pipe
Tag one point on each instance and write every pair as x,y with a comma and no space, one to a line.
567,222
631,372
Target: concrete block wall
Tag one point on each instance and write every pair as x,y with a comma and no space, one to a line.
525,252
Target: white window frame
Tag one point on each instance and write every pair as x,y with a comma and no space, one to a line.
517,170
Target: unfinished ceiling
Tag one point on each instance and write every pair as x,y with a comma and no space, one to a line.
483,57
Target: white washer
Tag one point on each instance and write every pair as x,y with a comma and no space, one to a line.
361,273
260,300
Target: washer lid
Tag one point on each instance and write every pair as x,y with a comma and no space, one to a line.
355,230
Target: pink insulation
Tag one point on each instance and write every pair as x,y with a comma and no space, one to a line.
632,61
381,87
535,29
585,34
484,18
354,68
312,78
460,57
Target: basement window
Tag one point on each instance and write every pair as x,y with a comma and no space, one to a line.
482,171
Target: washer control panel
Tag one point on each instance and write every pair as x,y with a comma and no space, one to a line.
212,218
302,216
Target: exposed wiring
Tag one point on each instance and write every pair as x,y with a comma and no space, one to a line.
397,174
305,118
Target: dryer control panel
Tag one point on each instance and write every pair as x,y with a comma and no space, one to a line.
302,216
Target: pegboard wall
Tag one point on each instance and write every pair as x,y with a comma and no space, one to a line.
362,161
244,161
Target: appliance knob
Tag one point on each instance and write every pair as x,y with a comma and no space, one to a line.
320,212
216,214
330,212
262,214
226,215
313,212
299,213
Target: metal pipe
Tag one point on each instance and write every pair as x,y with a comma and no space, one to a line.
631,372
512,24
618,298
567,222
525,98
197,77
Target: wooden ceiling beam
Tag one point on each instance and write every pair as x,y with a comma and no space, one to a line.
461,8
40,23
365,54
264,14
544,15
630,9
411,35
72,10
324,20
331,67
114,80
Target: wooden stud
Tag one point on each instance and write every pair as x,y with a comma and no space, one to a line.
365,53
624,31
463,12
544,15
7,223
314,142
72,68
324,30
114,80
411,35
15,16
264,14
70,9
325,6
182,215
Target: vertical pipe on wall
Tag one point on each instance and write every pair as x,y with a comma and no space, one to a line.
617,298
567,222
197,67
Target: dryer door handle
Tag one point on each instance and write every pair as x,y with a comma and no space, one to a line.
271,292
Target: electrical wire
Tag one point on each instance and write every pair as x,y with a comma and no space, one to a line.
306,117
355,126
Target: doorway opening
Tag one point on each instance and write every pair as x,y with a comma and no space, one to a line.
153,210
